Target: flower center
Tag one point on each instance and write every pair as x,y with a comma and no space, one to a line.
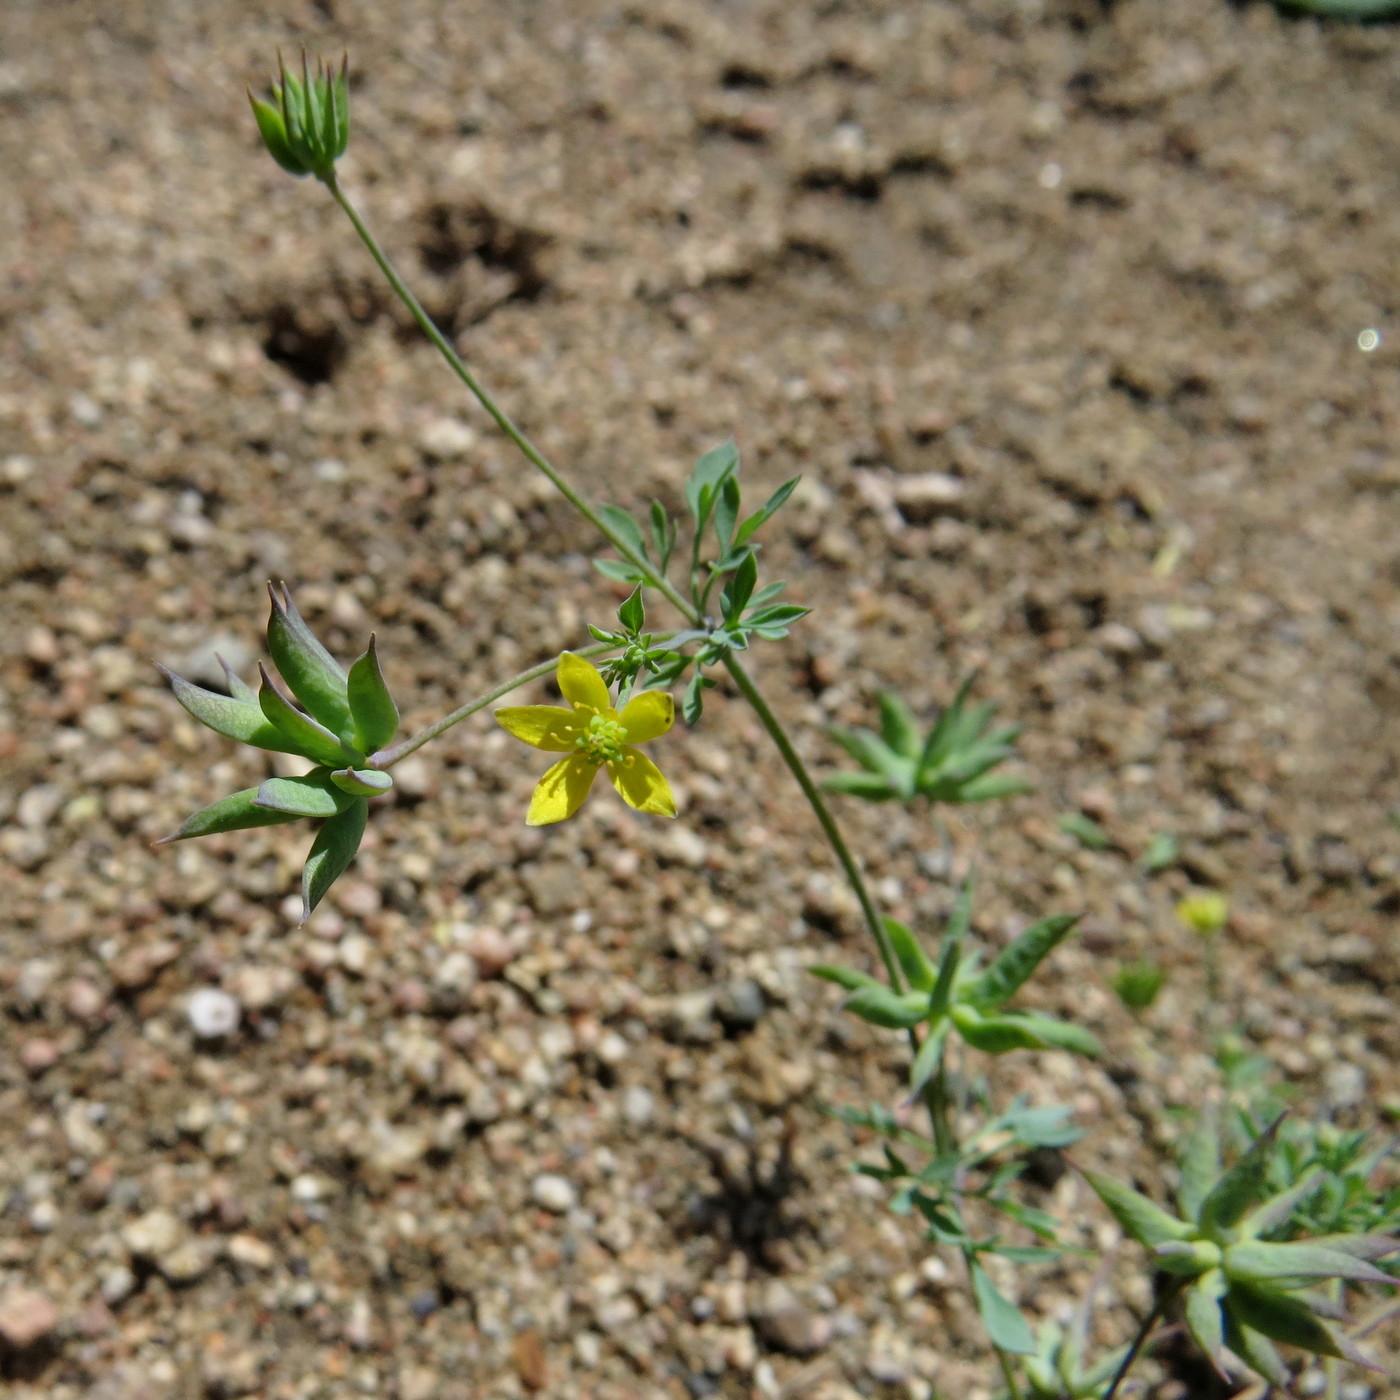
602,741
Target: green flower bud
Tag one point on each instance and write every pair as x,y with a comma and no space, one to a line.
306,125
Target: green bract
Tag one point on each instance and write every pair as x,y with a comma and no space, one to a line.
954,762
955,994
1245,1287
333,719
306,125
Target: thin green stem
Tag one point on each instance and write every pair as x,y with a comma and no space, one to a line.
386,758
817,802
1008,1374
502,419
656,580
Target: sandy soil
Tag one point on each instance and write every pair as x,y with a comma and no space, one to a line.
527,1112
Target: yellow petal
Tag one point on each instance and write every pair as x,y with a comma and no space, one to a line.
561,791
648,715
545,726
641,783
581,684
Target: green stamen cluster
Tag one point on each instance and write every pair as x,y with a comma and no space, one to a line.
604,740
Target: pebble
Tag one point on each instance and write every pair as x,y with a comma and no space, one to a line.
83,1000
921,497
38,1054
189,1261
250,1251
152,1235
638,1105
491,950
26,1317
213,1013
1344,1084
446,438
117,1284
553,1193
740,1005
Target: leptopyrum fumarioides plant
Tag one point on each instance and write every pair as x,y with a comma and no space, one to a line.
1242,1243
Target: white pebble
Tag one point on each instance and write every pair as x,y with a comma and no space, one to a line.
213,1013
553,1192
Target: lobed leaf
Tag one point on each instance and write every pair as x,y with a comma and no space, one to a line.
237,812
301,734
718,463
1016,963
312,795
1006,1325
883,1007
313,675
1144,1220
231,716
918,970
331,852
376,717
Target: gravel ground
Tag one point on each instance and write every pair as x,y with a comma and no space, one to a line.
1055,305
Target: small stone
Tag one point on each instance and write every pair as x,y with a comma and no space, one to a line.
492,951
83,1000
355,952
96,1185
43,1217
740,1005
794,1330
37,806
359,1325
395,1151
527,1352
213,1013
250,1251
152,1235
453,980
553,1192
638,1105
189,1261
41,646
922,497
117,1284
691,1018
1117,639
35,978
38,1054
446,438
257,988
26,1317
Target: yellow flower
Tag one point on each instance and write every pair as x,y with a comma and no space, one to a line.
593,734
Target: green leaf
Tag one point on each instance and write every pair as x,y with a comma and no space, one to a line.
846,977
663,534
1290,1321
372,708
770,508
233,718
726,513
307,667
237,687
899,728
1241,1187
709,471
1200,1162
1258,1261
1016,963
1020,1030
1256,1351
619,570
1006,1326
883,1007
333,850
1204,1319
362,782
693,702
961,919
1142,1219
1277,1209
926,1061
1086,831
872,754
237,812
313,795
620,522
274,136
632,614
738,591
870,786
301,733
992,788
918,970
